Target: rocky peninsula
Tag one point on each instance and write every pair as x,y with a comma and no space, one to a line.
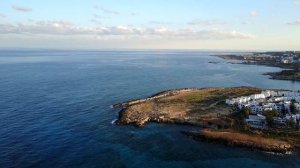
202,107
206,109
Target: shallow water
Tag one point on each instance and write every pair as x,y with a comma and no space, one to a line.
55,109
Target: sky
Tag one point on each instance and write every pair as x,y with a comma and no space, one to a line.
151,24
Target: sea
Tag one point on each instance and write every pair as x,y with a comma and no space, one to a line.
55,109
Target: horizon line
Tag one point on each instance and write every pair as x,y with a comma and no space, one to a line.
146,49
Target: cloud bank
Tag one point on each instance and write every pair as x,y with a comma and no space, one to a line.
207,22
2,15
295,23
253,13
107,11
65,28
21,8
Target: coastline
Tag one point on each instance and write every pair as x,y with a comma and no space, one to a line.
288,72
173,107
237,139
193,106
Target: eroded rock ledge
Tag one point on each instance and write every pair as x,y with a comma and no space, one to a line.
233,138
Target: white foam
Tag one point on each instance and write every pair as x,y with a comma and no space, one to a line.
113,122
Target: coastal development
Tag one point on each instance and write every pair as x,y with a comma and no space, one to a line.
289,61
266,120
270,109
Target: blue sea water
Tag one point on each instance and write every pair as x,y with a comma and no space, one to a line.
55,109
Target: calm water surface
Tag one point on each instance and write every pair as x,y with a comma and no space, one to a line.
55,109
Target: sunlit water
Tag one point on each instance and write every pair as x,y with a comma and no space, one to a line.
55,109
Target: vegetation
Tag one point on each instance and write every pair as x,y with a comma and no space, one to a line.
239,117
270,114
195,106
291,123
293,107
283,110
207,108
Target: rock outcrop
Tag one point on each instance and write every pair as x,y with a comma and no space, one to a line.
254,142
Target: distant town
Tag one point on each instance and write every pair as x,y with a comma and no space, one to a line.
269,109
287,57
289,60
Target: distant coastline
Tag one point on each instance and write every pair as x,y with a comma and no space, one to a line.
289,61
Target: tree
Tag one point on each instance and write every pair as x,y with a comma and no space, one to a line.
292,107
269,117
297,123
291,122
235,107
245,112
283,110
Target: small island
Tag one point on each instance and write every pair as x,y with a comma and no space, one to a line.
265,120
289,61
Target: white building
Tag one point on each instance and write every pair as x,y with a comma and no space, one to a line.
256,121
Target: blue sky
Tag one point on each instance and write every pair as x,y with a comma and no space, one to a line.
151,24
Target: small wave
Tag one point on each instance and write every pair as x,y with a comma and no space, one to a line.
281,154
113,122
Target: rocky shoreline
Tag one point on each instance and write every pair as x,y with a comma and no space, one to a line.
235,139
181,106
290,73
206,109
141,119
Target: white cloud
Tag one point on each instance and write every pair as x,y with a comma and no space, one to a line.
45,27
133,13
160,23
207,22
97,16
246,23
97,19
297,3
214,34
295,23
98,22
65,28
111,12
2,15
21,8
253,13
107,11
